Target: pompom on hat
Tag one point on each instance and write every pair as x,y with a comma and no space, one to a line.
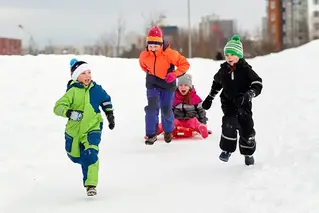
77,67
155,36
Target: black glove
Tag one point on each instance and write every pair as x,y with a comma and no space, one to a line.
247,97
207,103
110,119
75,115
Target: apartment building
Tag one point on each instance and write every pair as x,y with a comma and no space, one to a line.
313,19
288,22
264,28
275,22
296,22
10,46
212,26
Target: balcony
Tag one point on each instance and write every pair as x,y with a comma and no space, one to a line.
315,16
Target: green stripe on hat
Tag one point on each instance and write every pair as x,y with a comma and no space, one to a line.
234,47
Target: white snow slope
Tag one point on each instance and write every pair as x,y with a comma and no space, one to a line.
36,176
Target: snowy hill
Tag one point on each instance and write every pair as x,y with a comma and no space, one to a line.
182,177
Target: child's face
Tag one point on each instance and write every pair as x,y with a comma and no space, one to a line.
85,78
231,59
153,47
183,89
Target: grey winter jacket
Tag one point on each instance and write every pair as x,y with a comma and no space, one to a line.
184,111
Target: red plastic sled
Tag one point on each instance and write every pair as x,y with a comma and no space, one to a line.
183,132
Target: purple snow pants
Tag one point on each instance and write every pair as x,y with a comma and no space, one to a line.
159,99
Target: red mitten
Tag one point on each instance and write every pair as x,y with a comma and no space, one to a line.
170,77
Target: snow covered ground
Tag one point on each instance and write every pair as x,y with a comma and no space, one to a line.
181,177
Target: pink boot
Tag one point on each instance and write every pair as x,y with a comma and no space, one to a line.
203,130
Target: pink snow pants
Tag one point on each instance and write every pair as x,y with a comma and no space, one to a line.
192,123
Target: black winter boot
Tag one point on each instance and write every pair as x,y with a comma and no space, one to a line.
150,140
168,137
249,160
224,156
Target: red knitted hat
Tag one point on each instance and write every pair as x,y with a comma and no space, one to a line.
155,36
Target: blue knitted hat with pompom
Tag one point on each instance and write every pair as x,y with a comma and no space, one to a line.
77,67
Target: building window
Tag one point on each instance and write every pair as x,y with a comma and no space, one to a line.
315,1
272,4
316,13
285,40
273,29
316,26
273,17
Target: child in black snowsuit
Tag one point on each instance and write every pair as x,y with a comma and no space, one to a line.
240,84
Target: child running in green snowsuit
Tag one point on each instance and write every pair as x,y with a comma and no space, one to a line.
80,104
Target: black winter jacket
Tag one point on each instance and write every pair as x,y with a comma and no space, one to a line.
236,81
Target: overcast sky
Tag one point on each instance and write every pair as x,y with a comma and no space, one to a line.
82,21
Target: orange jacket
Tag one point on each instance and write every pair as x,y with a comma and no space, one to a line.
160,62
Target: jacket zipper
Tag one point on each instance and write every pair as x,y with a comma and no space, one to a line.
232,69
85,99
154,63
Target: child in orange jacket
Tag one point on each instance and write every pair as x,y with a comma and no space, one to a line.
158,60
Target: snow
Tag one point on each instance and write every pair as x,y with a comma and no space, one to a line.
181,177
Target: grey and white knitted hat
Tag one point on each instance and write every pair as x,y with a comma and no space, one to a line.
185,79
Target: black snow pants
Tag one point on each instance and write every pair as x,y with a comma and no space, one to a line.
237,118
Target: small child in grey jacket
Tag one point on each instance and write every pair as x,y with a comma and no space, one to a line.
187,107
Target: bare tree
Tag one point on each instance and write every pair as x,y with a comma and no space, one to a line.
105,44
120,33
256,44
110,42
201,47
155,18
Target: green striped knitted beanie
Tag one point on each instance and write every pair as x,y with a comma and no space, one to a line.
234,47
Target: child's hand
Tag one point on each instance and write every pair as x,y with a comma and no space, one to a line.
110,119
247,97
170,77
75,115
207,103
